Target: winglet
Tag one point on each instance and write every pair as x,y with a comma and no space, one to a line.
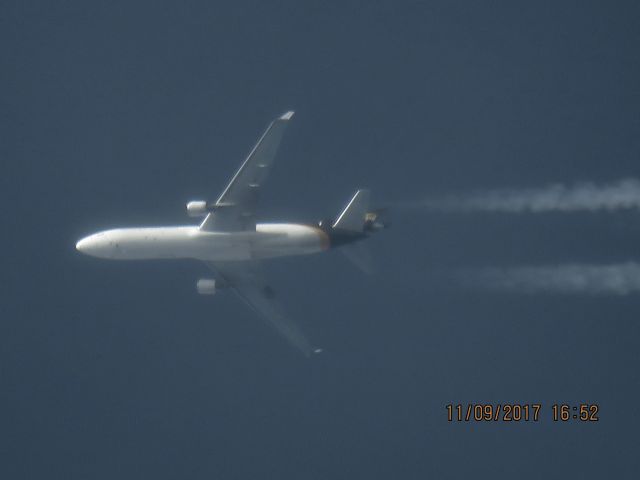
287,116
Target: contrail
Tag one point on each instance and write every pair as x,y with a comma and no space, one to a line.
615,279
586,196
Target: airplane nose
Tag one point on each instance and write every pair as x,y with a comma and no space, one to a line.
81,246
96,245
90,245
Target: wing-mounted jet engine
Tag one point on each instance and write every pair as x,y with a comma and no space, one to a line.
209,286
198,208
206,286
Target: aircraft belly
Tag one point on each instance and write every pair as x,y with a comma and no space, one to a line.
279,240
269,240
220,247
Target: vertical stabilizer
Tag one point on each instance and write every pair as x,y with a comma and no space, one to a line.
352,217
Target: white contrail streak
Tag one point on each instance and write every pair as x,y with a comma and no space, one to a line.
586,196
616,279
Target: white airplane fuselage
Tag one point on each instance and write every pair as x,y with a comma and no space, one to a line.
267,241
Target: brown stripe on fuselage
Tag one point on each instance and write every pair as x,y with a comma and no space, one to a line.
325,241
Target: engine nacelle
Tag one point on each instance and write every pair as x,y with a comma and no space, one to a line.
376,220
206,286
197,208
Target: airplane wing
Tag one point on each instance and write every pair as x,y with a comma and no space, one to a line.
235,209
247,280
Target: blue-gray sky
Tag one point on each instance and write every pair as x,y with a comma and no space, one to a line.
117,113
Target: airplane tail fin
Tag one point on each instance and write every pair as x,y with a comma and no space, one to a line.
353,217
356,222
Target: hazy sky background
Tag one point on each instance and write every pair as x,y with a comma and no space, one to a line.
118,113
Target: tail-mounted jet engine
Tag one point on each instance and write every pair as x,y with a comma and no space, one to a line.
198,208
376,220
206,286
373,221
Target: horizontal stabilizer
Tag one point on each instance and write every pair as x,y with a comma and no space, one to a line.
359,255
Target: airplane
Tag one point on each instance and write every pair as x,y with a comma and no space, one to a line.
232,244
